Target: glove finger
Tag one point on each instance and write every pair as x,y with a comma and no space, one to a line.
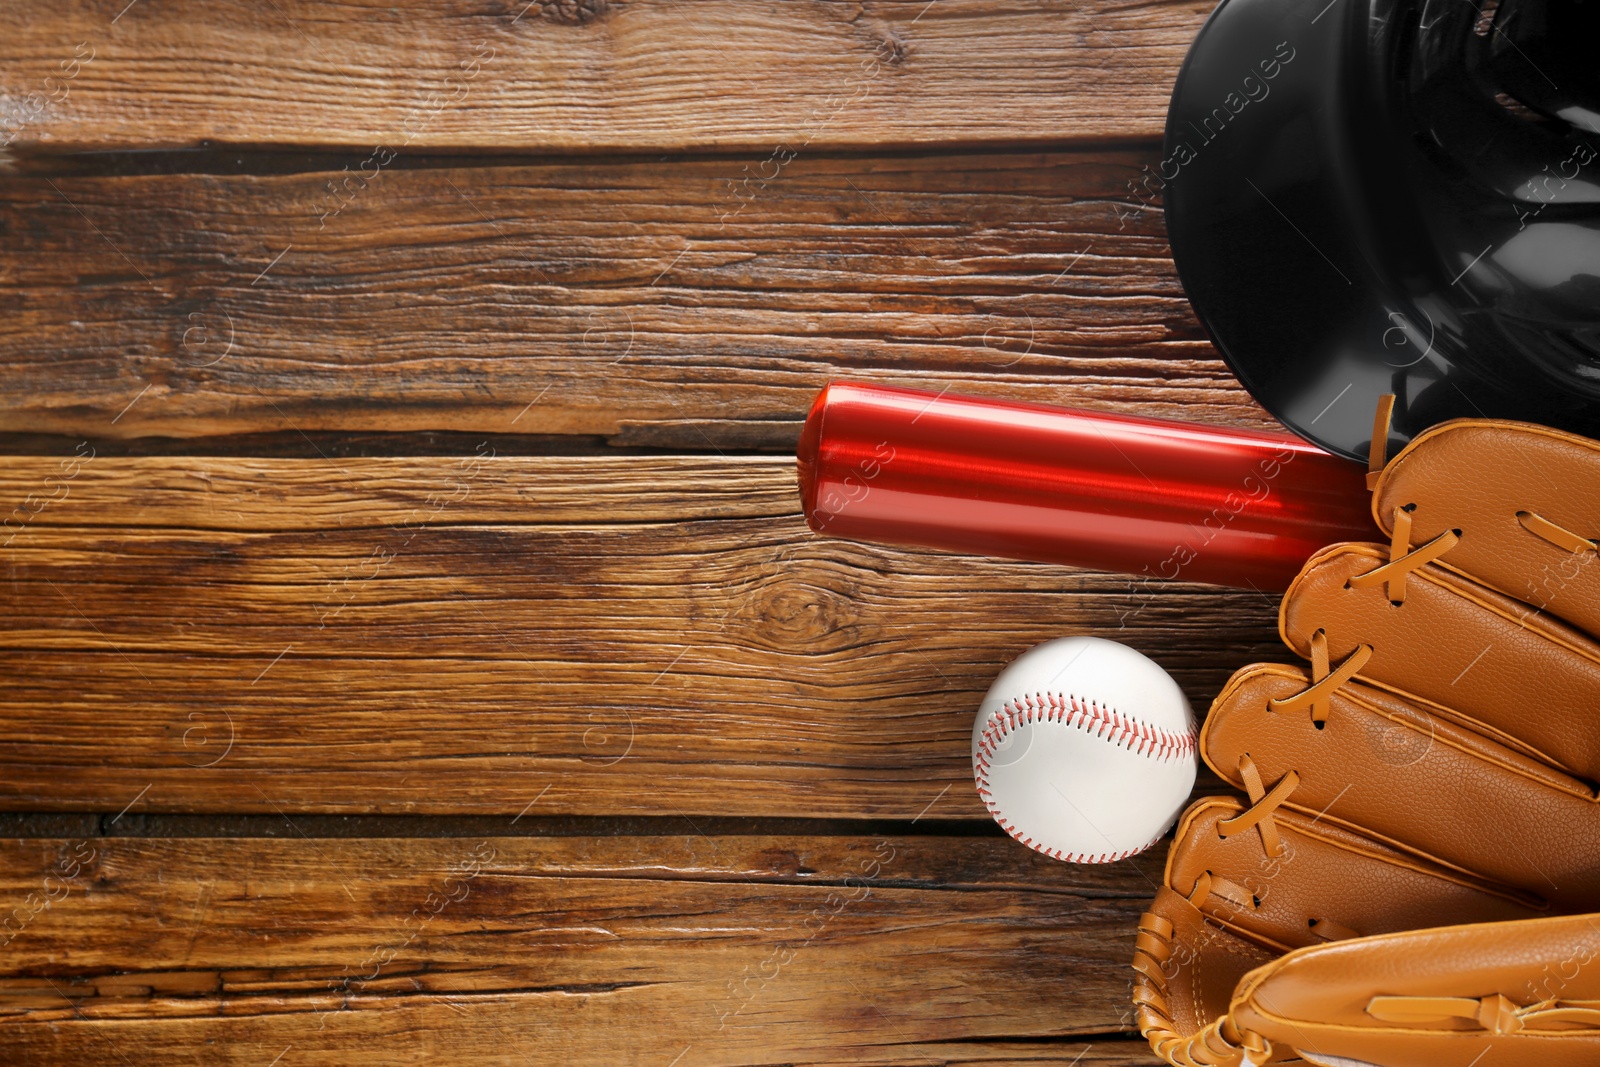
1505,995
1405,773
1491,662
1526,500
1228,908
1323,882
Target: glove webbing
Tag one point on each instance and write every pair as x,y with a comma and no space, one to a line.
1219,1044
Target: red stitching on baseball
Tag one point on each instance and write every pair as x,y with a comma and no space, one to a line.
1126,732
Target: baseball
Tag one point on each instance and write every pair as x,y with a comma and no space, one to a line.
1084,750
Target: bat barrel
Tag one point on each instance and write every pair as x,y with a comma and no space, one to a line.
1147,497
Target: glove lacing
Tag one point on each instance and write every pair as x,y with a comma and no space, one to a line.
1403,559
1262,806
1323,681
1221,1042
1495,1013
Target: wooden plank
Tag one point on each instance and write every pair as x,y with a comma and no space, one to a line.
656,303
437,1033
621,950
487,1030
498,635
579,75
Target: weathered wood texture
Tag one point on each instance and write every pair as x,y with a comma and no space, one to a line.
573,635
631,300
554,642
612,951
581,75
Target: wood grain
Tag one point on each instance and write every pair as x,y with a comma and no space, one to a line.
515,950
580,75
595,636
663,306
653,224
436,1032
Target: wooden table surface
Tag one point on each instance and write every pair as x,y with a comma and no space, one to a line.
413,650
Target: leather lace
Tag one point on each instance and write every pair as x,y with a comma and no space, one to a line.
1323,681
1262,806
1559,536
1211,884
1221,1043
1378,453
1496,1013
1403,559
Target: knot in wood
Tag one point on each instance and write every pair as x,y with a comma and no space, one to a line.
574,12
786,614
783,862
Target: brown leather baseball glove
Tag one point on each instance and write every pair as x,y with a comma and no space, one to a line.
1410,880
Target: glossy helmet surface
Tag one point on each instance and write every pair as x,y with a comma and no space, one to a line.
1375,196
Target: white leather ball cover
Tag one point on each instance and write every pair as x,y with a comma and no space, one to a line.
1084,749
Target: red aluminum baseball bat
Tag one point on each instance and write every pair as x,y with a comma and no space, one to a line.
1141,496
